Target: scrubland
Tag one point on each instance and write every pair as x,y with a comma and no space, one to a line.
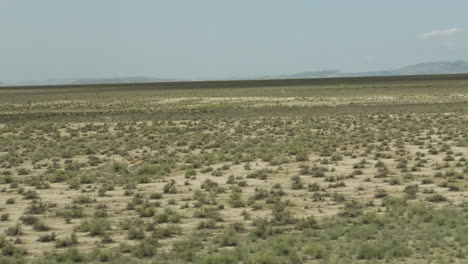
353,170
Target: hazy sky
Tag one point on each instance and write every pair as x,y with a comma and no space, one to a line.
41,39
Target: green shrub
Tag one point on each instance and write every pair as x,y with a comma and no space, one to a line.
29,219
454,188
145,249
462,236
208,212
136,233
127,223
101,213
381,193
4,217
263,258
15,230
303,156
146,211
307,222
313,187
71,211
281,214
67,241
153,170
119,167
394,181
235,199
10,253
263,229
84,199
30,194
170,187
427,181
40,226
71,255
167,231
23,171
316,250
155,196
436,198
411,191
167,216
296,183
219,258
238,226
190,173
260,174
370,251
209,224
95,226
187,249
384,249
352,209
228,238
47,237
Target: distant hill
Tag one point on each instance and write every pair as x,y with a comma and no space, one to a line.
131,79
135,79
441,67
316,74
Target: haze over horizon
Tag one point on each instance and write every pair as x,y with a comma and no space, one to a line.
210,39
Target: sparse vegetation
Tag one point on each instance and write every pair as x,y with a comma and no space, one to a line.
372,172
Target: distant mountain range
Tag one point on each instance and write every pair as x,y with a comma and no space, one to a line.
441,67
131,79
135,79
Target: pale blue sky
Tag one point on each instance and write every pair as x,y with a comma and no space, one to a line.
194,39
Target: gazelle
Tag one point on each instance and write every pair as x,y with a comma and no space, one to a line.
133,165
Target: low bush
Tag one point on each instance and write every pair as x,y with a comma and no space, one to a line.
47,237
4,217
95,226
15,230
136,233
436,198
68,241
